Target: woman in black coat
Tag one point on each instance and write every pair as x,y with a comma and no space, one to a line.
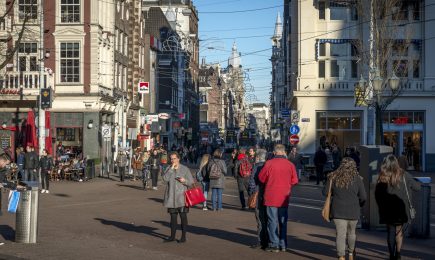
393,193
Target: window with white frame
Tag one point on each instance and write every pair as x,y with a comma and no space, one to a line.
28,8
70,11
70,62
28,56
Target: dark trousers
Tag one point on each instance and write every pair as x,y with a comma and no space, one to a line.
154,177
261,217
242,185
319,173
45,180
174,218
30,175
121,171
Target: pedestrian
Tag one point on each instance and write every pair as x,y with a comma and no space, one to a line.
20,162
278,176
336,155
136,163
243,169
216,170
328,167
155,163
178,179
203,178
31,164
4,182
232,162
348,195
393,195
403,161
296,159
260,210
320,160
46,166
251,155
121,162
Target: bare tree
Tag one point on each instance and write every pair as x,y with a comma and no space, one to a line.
7,54
384,56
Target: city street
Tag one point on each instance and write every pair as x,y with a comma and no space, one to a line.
107,219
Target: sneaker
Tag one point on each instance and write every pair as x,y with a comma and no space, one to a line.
205,208
80,180
154,188
283,249
272,249
256,246
42,191
2,243
47,191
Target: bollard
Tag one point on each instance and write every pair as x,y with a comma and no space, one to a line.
26,227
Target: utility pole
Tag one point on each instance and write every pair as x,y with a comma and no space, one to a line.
41,128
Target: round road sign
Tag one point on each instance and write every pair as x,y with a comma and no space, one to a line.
294,129
294,139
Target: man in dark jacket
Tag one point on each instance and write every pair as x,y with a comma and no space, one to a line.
260,211
31,164
320,160
46,164
20,162
296,159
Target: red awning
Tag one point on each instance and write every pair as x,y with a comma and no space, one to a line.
31,138
48,145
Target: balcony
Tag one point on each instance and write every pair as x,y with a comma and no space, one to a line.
27,80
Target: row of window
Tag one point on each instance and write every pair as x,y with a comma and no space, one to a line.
342,10
69,10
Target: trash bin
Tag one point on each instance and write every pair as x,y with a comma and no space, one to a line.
420,226
26,226
90,168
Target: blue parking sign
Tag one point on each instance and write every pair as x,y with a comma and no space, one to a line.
294,129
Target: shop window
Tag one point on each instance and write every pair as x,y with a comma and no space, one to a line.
321,120
386,117
66,134
418,117
393,117
338,120
356,120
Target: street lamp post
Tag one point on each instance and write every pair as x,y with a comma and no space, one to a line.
379,101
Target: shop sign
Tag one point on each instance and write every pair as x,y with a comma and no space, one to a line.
153,118
401,120
164,116
144,87
106,131
6,91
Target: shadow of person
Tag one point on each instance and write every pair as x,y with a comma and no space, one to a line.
7,232
159,200
130,186
132,228
217,233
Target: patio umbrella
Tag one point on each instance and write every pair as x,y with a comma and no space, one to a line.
31,137
48,145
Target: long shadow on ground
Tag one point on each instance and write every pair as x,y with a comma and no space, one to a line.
132,228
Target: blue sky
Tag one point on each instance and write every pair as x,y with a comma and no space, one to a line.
251,30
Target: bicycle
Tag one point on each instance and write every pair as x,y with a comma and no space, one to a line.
146,176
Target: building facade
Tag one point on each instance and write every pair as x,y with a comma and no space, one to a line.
325,65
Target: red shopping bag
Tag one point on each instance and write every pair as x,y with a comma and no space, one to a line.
194,196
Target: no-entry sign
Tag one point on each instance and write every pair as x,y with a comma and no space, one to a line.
294,139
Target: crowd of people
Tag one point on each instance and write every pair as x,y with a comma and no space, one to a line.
267,178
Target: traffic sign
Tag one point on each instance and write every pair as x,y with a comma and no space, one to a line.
294,129
106,131
295,116
294,139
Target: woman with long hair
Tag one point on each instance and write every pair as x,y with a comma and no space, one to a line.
202,177
347,197
178,179
392,192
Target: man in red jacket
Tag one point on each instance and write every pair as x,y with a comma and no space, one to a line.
278,176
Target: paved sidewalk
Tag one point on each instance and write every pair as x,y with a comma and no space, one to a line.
106,219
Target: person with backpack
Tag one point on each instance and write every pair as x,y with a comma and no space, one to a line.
202,177
154,163
242,171
216,170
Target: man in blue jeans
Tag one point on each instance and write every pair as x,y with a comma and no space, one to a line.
278,176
